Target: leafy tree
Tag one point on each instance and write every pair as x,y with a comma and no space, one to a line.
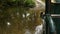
12,11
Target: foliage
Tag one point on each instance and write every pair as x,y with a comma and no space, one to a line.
29,3
25,3
12,11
